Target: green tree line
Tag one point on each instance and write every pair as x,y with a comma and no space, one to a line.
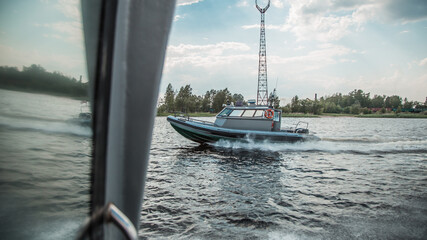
185,101
36,79
355,102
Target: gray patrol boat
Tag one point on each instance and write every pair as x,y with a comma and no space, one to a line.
241,123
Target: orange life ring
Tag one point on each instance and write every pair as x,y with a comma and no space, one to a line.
269,113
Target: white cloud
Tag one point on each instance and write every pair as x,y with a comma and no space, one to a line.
210,66
70,8
242,3
344,60
257,26
205,55
396,80
323,21
329,20
274,3
391,84
423,62
187,2
324,56
211,55
215,65
70,31
250,26
277,3
178,17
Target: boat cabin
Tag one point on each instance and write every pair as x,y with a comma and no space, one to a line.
260,118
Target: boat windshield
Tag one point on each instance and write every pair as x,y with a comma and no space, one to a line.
225,112
249,113
236,113
259,113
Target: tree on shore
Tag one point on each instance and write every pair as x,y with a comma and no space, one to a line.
393,102
170,99
221,97
378,101
207,100
36,78
185,101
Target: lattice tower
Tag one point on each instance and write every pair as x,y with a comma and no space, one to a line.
262,91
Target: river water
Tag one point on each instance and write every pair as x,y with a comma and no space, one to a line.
366,179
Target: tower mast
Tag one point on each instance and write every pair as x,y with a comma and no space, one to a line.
262,91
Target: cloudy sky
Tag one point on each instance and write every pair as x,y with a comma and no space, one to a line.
313,46
45,32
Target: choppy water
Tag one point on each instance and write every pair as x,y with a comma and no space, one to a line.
44,166
366,179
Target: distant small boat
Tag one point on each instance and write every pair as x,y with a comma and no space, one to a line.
241,123
85,116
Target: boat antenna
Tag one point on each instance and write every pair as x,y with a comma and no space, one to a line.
262,91
272,97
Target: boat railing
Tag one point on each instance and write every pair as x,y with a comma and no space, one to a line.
200,121
299,127
188,118
179,114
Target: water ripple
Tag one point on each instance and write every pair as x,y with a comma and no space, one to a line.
286,191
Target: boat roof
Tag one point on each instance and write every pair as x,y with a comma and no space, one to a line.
255,107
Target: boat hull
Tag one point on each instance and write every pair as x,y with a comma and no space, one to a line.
207,133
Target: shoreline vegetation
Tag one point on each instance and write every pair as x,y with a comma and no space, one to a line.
356,103
35,79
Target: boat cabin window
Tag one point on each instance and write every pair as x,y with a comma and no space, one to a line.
225,112
236,113
248,113
259,113
276,116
